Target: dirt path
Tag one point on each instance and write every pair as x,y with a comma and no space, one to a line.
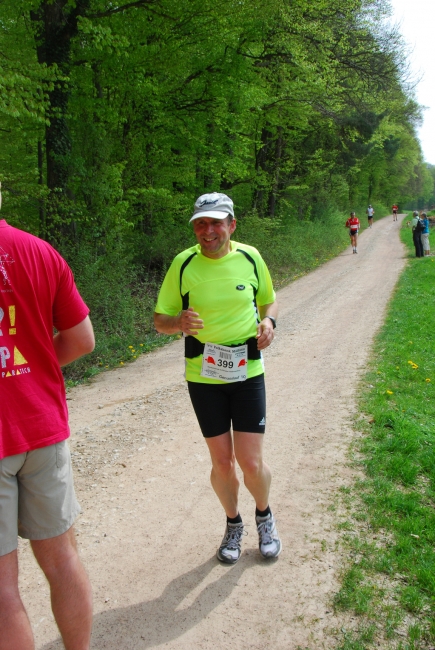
151,523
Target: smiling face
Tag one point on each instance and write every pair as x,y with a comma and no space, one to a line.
213,235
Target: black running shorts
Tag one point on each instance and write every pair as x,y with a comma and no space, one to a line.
241,404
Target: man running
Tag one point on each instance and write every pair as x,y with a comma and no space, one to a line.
395,210
220,295
370,212
354,225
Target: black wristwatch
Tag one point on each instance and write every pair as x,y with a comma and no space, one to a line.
273,321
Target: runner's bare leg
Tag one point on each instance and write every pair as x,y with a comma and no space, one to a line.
256,474
223,475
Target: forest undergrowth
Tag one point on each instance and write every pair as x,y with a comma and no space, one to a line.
121,292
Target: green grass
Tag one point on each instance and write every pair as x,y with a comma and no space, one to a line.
389,582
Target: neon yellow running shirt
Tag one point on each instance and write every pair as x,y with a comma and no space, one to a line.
222,291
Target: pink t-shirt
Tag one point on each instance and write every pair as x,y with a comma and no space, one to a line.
37,292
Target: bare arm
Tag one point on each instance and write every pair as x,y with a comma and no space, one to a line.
73,343
265,331
187,321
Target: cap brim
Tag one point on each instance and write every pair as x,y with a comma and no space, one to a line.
212,214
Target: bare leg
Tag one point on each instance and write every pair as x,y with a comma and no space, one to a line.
71,596
16,633
223,474
256,474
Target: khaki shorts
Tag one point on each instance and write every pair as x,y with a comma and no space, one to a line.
37,498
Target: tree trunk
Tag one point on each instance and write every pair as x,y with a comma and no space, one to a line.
56,25
273,196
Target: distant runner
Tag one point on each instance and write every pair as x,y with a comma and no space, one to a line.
370,212
395,210
354,225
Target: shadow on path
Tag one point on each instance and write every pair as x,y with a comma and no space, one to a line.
151,623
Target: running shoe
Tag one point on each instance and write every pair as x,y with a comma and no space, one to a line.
268,538
230,549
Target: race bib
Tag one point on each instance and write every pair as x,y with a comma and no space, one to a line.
225,363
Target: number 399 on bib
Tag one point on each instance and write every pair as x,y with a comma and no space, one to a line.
225,363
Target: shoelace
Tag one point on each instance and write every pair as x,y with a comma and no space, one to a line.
265,531
233,537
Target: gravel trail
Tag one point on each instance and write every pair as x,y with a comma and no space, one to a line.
151,523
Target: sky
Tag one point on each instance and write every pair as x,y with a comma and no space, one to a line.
416,20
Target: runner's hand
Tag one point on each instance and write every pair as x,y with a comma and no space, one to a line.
190,322
265,334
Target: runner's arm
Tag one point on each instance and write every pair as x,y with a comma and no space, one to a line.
265,332
187,321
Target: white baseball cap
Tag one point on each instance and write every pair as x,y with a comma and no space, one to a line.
214,205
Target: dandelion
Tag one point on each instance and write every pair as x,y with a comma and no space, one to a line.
141,345
121,363
389,392
131,347
428,380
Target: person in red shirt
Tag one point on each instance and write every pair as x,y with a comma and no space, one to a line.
37,499
395,210
354,225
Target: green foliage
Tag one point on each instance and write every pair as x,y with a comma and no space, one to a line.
122,297
116,117
122,309
147,98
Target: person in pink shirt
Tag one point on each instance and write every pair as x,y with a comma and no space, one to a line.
37,499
